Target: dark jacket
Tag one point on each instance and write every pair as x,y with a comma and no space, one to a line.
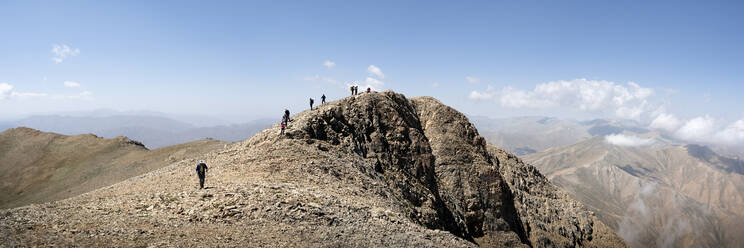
201,169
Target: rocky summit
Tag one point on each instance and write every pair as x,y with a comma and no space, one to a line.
376,169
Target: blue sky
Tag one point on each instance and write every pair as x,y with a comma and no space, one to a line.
243,60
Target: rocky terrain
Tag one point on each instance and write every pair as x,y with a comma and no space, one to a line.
41,167
665,194
370,170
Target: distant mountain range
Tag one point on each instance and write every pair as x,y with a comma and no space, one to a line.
525,135
653,190
153,131
658,195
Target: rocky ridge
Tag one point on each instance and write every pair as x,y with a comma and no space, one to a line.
370,170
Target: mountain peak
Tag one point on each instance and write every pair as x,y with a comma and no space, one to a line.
376,169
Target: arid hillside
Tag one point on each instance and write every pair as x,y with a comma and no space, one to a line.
658,195
41,167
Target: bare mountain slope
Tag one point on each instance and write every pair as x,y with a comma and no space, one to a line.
371,170
40,167
552,217
662,195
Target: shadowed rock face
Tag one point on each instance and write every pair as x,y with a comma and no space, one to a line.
704,153
550,216
435,160
375,169
469,178
385,127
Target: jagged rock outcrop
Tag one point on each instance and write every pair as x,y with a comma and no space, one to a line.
376,169
550,216
469,178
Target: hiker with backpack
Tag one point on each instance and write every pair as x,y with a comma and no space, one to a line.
201,171
322,99
285,121
285,118
351,88
311,103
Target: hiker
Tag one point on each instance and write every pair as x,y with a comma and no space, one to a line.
351,88
285,118
201,170
322,99
311,103
284,125
356,90
368,89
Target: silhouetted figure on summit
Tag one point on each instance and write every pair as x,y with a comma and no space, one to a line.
311,103
201,171
322,99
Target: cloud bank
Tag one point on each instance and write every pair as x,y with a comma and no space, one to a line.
626,101
703,129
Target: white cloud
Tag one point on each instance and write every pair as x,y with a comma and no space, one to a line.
489,94
627,140
329,64
5,91
697,129
435,84
374,83
63,51
700,129
472,80
732,134
71,84
376,71
579,94
666,122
